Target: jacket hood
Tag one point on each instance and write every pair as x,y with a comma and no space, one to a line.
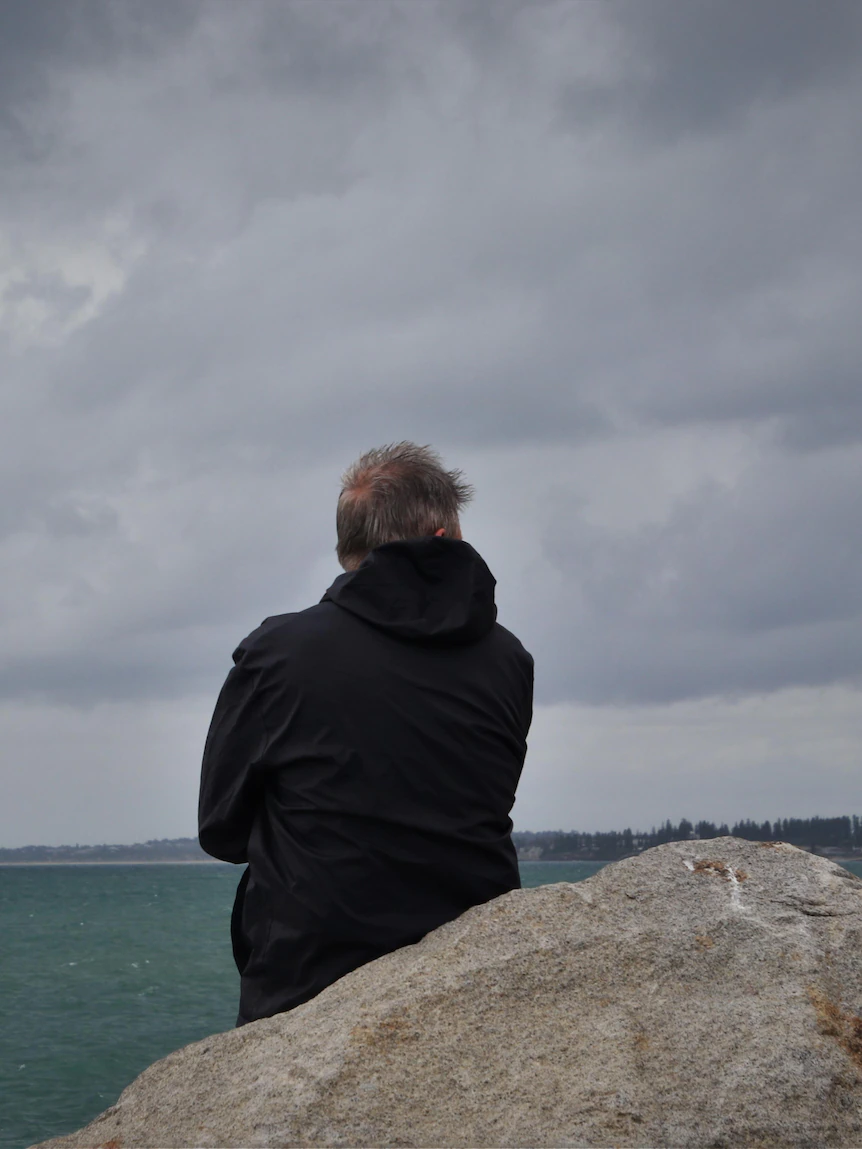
432,590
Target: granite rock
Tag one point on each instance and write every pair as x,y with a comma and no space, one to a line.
702,994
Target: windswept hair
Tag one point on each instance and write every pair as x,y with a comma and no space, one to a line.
396,492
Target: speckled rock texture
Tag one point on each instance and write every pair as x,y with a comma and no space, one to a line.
703,994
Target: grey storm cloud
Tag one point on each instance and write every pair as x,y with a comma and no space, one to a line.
246,242
746,589
42,43
703,66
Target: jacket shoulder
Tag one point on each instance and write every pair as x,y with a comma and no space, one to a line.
278,629
512,643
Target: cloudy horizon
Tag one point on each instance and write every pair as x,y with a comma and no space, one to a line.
606,258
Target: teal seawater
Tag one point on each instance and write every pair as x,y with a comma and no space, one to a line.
107,968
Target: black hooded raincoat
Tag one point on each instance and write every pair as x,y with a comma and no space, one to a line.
363,759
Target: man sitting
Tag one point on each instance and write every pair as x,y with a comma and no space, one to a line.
364,753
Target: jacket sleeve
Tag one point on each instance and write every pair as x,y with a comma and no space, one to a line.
230,785
527,701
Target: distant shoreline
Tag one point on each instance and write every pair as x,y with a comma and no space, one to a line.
219,862
545,846
129,862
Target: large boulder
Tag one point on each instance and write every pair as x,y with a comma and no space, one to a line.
702,994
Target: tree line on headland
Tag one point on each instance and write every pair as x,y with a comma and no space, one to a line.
156,850
842,835
838,836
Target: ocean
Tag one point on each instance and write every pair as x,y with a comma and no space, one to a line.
106,968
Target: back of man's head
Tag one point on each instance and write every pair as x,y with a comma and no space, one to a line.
396,492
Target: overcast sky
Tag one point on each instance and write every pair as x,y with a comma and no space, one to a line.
606,257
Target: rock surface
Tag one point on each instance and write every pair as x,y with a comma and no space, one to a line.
702,994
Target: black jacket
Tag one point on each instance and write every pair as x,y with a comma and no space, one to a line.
363,758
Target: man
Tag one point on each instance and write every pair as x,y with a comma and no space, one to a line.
364,753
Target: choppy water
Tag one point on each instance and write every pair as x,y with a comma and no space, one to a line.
104,969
